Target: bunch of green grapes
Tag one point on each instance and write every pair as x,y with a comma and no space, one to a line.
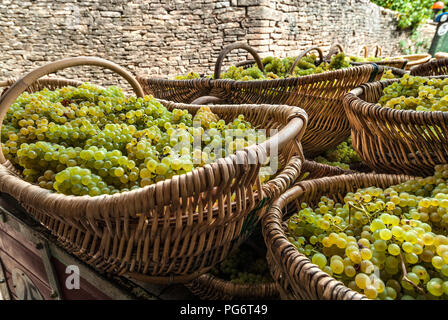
189,76
248,74
91,140
389,75
281,67
368,59
416,93
243,266
305,66
343,155
276,68
385,243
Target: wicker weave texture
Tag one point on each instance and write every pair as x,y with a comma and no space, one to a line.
176,229
395,141
208,287
319,95
432,68
297,277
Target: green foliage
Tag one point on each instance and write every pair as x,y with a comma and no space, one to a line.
416,44
411,12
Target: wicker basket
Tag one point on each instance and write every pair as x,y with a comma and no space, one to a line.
188,91
415,59
393,63
320,95
176,229
399,62
395,141
433,68
209,287
440,55
296,275
397,71
313,170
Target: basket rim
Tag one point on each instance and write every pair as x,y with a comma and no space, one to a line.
415,55
353,100
217,280
296,120
273,230
207,285
291,80
431,64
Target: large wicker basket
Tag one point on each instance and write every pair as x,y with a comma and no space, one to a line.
415,60
209,287
320,95
176,229
395,62
296,275
395,67
395,141
433,68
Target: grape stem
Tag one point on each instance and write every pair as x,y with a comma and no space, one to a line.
362,208
339,228
405,278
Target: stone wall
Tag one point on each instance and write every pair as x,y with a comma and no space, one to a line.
168,37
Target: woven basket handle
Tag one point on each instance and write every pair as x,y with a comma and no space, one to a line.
364,50
378,51
276,186
337,48
245,63
4,83
227,49
288,196
22,84
304,53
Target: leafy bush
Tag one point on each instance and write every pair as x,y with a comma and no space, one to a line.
411,12
415,44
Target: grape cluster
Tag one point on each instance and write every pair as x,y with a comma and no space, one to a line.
91,140
248,74
416,93
191,75
385,243
343,155
276,68
243,266
368,59
389,75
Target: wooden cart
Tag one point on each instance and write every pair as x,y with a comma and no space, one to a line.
34,267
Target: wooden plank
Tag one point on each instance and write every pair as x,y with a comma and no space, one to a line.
12,293
21,253
7,230
9,263
18,224
86,290
19,237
